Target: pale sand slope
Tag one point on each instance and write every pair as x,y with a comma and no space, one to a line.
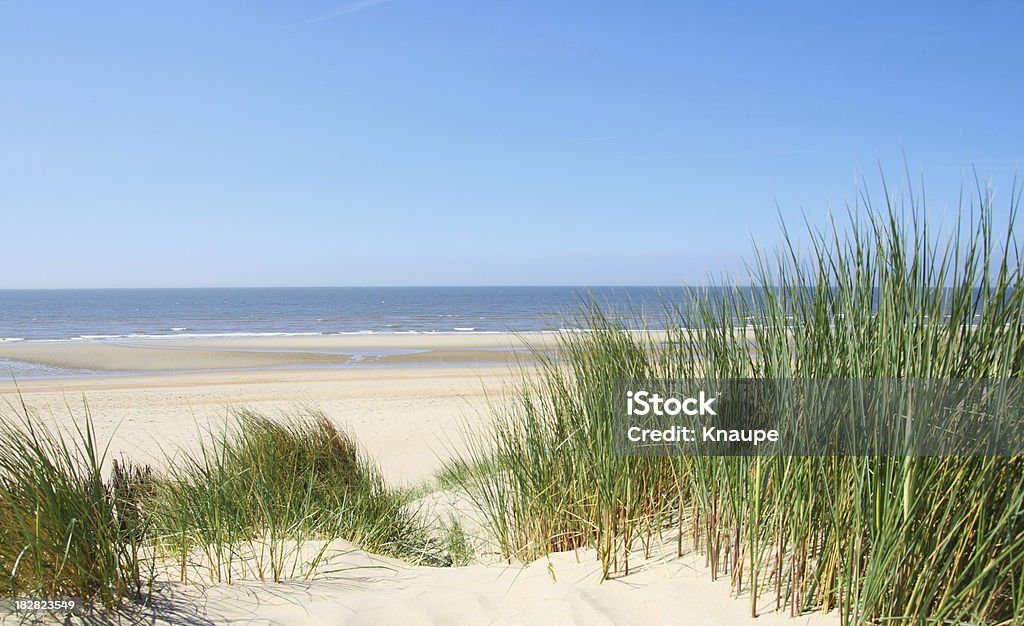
564,589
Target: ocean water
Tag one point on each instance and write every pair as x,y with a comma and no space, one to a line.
111,314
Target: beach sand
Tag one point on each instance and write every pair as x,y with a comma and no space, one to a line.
408,418
407,414
562,589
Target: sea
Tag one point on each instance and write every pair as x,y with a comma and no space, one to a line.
113,314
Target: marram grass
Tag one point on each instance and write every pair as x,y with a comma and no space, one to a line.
261,490
64,531
879,539
248,503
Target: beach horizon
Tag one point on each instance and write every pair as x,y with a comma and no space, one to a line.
360,312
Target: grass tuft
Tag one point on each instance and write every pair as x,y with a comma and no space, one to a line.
64,531
264,488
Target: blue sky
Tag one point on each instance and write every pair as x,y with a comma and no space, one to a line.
423,142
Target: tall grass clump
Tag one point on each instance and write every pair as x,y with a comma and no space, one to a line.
546,476
263,499
879,538
247,502
64,531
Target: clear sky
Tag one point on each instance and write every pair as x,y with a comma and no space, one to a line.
441,142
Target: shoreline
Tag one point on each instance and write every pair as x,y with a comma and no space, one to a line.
34,360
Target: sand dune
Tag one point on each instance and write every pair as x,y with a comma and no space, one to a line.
409,418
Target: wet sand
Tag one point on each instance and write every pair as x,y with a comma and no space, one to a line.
274,352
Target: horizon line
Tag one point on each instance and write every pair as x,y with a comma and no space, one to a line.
440,286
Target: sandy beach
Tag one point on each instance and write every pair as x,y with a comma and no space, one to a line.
409,407
394,312
399,395
406,417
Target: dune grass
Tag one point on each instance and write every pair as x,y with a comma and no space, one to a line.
880,539
263,499
252,497
64,531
